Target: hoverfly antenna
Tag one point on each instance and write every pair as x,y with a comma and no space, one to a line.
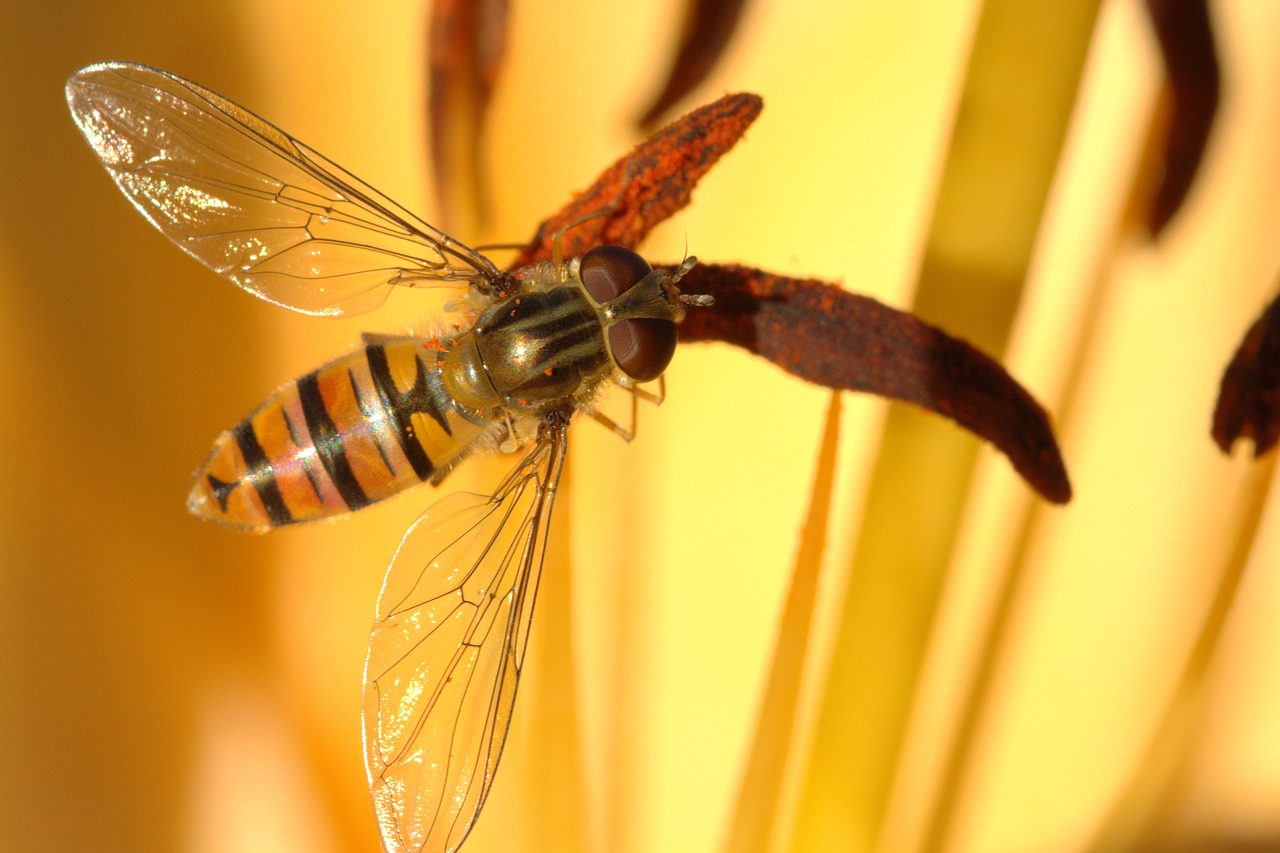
693,300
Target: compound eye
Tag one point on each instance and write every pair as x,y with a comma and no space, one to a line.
643,348
607,272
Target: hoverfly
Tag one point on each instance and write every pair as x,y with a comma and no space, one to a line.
295,229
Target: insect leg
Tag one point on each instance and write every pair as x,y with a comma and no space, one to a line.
557,239
609,423
647,395
637,393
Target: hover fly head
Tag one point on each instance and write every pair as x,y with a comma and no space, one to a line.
641,306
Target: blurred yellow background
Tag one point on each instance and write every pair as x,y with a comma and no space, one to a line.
172,686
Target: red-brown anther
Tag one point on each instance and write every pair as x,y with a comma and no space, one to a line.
812,329
465,44
654,181
1184,31
842,340
1249,398
708,27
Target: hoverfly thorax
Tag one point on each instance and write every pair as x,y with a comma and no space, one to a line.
605,313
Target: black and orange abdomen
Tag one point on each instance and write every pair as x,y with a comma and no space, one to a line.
357,430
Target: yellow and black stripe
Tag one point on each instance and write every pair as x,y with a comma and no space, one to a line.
357,430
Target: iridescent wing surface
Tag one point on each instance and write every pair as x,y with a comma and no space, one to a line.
447,649
254,204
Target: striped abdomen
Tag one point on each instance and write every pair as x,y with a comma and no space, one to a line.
359,429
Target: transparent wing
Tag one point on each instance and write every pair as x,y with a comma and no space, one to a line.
252,203
446,652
